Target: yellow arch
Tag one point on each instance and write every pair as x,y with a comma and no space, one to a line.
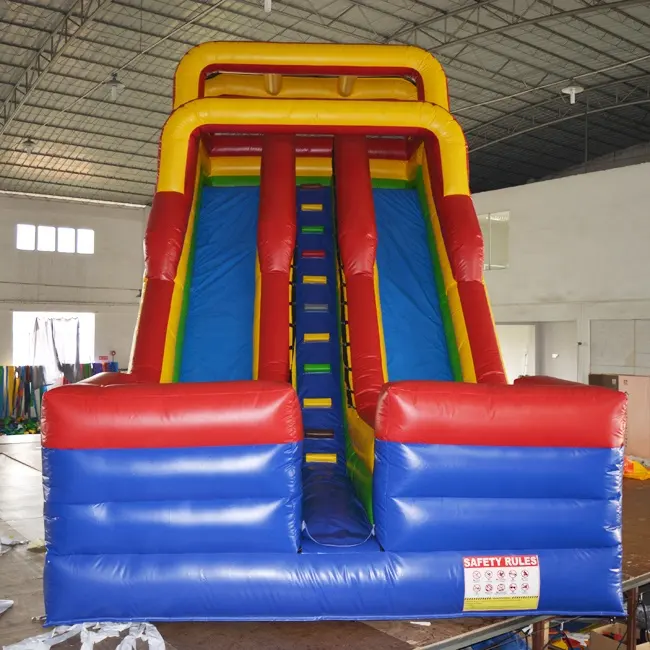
362,115
335,56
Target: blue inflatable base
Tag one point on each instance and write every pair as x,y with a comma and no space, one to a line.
312,585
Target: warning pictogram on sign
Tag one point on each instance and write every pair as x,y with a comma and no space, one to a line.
501,583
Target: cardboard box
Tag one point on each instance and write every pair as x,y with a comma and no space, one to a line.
598,639
607,381
637,435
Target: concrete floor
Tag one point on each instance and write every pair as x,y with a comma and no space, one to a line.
21,515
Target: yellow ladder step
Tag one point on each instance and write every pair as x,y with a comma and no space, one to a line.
317,337
317,402
314,279
312,207
320,458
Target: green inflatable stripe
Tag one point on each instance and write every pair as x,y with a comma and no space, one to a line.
314,368
452,346
252,181
359,474
391,183
314,180
248,181
312,230
361,479
232,181
180,337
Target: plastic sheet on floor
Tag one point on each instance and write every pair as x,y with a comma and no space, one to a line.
5,605
8,542
634,469
126,635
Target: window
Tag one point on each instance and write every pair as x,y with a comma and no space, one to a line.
25,237
46,238
65,240
495,227
50,239
85,241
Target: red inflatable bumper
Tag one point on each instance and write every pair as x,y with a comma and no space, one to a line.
114,411
544,414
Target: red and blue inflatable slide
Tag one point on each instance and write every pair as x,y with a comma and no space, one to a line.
316,422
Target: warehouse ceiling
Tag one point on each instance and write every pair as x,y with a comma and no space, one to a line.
63,132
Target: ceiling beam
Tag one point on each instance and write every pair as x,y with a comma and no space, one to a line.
586,46
559,120
82,161
68,143
461,66
512,20
85,174
554,13
85,131
73,188
77,18
440,17
554,103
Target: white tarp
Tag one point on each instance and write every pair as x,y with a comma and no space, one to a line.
91,633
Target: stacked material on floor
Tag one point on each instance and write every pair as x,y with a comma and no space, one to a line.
21,393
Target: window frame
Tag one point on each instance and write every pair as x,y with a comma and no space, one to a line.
488,265
35,236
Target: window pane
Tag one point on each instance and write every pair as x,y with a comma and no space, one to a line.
85,241
25,237
65,240
499,236
484,222
46,238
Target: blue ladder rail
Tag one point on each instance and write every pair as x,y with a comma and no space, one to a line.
318,357
334,518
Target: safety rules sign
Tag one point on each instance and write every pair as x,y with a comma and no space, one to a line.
501,582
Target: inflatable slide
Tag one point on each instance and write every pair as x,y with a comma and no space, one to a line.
316,422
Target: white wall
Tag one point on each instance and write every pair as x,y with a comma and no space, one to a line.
106,283
557,350
518,349
578,252
620,347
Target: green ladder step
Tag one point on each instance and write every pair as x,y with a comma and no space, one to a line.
312,230
316,367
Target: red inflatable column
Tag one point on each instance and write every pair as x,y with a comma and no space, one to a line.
163,244
276,241
355,212
464,243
